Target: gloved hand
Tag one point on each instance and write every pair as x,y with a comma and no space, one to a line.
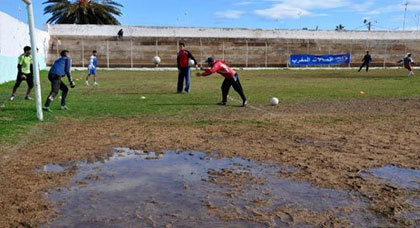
72,84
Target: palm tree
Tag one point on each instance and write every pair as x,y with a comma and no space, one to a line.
100,12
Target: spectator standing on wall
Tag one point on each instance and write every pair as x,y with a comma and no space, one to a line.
367,59
184,70
120,34
25,73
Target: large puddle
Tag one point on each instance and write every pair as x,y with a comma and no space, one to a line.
406,178
191,189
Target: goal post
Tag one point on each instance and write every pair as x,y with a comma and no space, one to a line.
35,64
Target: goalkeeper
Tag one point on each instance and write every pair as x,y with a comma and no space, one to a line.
60,69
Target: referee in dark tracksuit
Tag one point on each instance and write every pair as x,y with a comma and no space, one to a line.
60,69
367,59
183,63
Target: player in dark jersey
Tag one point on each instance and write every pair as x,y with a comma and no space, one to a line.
183,63
367,59
408,62
60,69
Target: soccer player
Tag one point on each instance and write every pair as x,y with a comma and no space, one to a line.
408,62
25,73
184,70
367,59
93,64
60,69
231,78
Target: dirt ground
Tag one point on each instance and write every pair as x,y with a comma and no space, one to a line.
329,142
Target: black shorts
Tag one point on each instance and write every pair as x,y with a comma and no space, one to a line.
29,78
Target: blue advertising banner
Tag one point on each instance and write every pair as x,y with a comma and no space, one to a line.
314,60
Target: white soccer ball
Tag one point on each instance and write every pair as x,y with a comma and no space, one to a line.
156,60
274,101
191,63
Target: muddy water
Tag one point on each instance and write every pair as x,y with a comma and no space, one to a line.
406,178
191,189
403,178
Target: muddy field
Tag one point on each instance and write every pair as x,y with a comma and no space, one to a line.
330,143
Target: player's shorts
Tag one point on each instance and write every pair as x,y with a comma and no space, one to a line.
29,78
92,71
408,68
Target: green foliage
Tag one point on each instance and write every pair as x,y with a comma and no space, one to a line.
83,12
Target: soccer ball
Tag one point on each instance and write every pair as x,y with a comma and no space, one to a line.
156,60
274,101
191,63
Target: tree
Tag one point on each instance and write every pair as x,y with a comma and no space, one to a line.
339,27
102,12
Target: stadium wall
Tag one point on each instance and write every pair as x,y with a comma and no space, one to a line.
14,35
239,47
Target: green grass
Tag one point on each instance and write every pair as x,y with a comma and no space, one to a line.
119,94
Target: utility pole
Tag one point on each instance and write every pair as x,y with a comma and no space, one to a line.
405,13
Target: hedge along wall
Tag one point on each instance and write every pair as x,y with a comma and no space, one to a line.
14,36
239,47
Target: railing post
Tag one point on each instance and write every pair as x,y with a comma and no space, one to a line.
83,53
131,53
266,54
247,53
107,54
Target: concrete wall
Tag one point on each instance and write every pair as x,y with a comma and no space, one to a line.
14,35
181,32
240,47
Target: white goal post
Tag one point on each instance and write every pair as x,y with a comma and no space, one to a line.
35,64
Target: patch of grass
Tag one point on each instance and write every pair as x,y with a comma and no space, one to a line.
119,95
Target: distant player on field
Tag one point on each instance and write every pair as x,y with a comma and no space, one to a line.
367,59
183,61
25,73
408,62
231,79
60,69
93,64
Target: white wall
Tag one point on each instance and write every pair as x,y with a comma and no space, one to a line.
14,35
138,31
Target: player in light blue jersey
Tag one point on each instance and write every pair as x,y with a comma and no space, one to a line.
93,64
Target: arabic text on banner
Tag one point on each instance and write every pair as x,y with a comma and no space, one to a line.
313,60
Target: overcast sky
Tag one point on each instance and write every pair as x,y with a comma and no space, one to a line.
265,14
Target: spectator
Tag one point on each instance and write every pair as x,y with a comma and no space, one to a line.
120,34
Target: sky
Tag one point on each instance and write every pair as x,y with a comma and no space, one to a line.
262,14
